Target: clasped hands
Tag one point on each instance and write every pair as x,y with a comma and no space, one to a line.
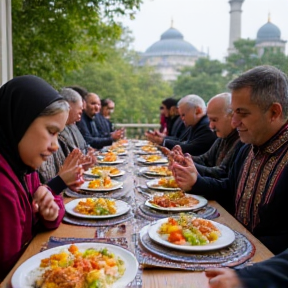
118,134
44,204
182,167
155,137
74,165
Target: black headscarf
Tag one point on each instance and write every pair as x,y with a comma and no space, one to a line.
22,99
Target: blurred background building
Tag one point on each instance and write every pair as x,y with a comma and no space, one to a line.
269,36
170,54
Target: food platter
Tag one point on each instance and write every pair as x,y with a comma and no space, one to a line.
142,143
153,184
115,185
226,238
118,161
156,171
89,173
202,203
121,208
158,161
26,274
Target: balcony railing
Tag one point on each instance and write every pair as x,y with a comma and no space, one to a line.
136,130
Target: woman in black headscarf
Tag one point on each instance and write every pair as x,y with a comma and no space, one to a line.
32,114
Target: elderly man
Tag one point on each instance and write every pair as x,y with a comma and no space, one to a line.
198,138
87,125
217,161
255,191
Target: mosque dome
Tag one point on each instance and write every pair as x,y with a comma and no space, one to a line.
171,43
268,32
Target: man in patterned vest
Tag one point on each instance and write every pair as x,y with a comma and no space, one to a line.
256,189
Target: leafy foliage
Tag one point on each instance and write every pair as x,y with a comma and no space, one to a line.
136,91
244,59
204,79
53,37
210,77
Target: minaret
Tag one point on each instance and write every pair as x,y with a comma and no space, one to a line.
235,23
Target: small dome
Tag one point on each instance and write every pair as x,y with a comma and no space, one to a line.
172,33
268,32
171,43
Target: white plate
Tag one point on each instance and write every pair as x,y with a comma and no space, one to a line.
121,208
25,277
115,185
118,161
142,143
122,153
88,172
125,152
141,152
153,182
202,202
226,238
159,161
146,170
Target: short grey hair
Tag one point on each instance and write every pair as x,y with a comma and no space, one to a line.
193,101
226,96
268,85
56,107
70,95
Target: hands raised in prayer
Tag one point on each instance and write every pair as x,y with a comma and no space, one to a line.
71,171
223,278
118,134
43,202
182,167
89,160
155,137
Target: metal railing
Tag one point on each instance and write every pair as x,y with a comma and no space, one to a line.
136,130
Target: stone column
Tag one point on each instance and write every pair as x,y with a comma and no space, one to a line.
6,62
235,23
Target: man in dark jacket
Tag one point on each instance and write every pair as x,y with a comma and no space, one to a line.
87,125
175,126
198,138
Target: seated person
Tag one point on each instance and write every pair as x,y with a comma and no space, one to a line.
26,206
87,125
69,139
254,191
102,119
217,161
71,134
198,138
175,127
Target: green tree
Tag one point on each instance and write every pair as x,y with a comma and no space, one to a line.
244,59
136,91
52,37
247,57
275,58
204,79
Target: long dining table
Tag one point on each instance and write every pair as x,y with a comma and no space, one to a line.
149,276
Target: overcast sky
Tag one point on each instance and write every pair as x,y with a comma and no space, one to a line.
204,23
